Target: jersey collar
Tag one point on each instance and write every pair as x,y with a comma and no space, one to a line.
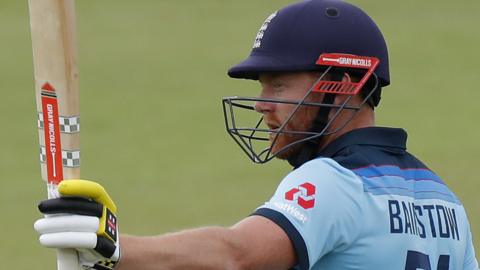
376,136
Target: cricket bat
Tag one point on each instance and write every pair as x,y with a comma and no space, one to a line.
54,44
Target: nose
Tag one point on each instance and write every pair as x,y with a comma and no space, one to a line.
263,107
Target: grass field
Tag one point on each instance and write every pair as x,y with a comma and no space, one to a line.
152,77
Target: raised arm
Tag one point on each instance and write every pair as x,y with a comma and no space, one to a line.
85,219
253,243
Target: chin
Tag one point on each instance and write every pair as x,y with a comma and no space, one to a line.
281,142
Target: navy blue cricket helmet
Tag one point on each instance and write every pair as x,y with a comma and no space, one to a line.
293,38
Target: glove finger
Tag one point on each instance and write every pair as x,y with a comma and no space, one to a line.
80,240
69,240
105,247
70,223
85,188
71,205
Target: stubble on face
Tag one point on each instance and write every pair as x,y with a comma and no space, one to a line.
288,86
301,121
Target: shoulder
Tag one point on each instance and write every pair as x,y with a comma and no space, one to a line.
325,172
318,205
321,184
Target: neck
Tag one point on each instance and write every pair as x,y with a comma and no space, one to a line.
365,117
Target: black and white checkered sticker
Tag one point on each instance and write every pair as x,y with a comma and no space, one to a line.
70,159
67,124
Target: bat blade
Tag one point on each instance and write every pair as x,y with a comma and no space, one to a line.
54,44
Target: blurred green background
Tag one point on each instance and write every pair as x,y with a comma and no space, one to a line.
152,77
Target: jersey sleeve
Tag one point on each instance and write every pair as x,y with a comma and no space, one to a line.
470,262
319,206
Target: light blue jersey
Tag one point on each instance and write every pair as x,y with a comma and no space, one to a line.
368,204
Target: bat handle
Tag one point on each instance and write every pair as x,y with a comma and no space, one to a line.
67,259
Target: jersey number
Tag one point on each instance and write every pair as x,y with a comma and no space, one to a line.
417,260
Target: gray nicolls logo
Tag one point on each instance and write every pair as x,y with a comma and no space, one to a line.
261,32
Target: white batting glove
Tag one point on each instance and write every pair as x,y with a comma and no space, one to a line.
83,218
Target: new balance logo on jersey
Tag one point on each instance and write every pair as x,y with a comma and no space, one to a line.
261,32
304,195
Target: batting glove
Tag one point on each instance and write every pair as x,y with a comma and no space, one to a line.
83,218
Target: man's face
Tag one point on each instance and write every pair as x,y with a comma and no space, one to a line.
287,86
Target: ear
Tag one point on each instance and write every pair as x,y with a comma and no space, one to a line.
339,98
346,77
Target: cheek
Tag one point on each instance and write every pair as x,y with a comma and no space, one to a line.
283,110
303,118
306,114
